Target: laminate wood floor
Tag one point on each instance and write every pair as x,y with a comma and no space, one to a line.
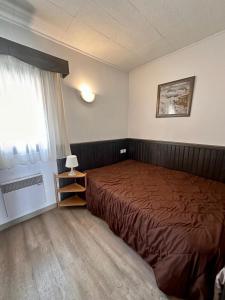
70,254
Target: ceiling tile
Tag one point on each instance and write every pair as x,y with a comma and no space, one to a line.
185,21
70,7
128,16
45,11
161,13
25,15
159,48
85,38
97,18
124,33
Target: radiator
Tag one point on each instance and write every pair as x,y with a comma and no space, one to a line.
23,196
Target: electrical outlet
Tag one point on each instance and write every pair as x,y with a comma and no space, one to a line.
122,151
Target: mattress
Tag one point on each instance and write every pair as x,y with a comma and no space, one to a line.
173,219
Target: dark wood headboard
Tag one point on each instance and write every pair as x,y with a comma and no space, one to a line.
202,160
97,154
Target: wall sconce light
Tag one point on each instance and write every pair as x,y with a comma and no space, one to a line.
86,93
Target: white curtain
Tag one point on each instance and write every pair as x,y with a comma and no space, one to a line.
32,121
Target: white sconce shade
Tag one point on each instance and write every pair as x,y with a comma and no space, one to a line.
87,94
71,162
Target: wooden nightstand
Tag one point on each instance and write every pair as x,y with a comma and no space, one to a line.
74,200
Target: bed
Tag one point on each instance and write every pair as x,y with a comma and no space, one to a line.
173,219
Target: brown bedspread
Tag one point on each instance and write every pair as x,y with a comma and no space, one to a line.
174,220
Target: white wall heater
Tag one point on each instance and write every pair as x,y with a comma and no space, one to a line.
23,196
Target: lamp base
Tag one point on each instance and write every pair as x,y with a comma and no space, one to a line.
72,172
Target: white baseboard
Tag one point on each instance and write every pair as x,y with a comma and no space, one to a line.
27,217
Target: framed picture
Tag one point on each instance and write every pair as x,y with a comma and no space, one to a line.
175,98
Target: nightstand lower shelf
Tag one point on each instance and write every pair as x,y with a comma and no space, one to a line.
72,201
74,187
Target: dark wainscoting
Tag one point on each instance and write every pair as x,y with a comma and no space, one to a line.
97,154
93,155
201,160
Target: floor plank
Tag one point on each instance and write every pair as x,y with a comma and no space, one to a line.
70,254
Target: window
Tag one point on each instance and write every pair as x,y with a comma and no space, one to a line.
21,115
22,123
28,113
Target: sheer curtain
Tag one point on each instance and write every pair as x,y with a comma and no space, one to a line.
32,121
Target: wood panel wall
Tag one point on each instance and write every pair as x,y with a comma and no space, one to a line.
201,160
97,154
93,155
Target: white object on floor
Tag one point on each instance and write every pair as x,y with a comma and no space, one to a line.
219,283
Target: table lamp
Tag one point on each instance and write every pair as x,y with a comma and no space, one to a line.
71,162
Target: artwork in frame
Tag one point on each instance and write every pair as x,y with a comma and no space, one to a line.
175,98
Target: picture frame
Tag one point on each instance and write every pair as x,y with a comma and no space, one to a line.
174,99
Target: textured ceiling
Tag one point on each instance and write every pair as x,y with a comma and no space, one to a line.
124,33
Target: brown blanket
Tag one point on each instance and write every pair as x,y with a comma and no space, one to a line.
174,220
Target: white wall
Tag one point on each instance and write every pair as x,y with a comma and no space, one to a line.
104,119
205,60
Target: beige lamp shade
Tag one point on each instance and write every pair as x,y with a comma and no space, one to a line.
71,162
